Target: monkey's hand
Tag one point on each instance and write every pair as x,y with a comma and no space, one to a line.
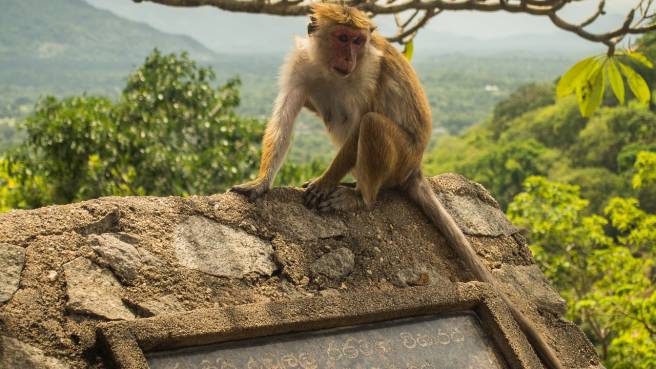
317,191
252,189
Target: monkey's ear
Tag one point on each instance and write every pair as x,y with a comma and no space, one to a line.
312,26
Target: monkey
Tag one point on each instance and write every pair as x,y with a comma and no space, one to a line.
378,116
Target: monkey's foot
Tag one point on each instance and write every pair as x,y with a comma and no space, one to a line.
252,189
343,199
316,192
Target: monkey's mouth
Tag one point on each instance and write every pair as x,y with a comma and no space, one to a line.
341,72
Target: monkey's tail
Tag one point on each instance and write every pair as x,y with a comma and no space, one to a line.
419,190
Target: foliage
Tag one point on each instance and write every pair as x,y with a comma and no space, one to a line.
597,153
645,165
587,79
601,263
170,132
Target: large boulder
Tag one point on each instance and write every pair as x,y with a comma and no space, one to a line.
65,269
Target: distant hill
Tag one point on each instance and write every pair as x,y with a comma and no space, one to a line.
72,30
66,47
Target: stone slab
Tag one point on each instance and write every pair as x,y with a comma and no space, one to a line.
442,341
123,258
476,217
12,260
216,249
93,290
17,354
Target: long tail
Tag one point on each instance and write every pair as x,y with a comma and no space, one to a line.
421,193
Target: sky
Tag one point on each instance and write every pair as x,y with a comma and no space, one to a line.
227,32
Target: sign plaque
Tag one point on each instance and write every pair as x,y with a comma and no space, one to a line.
465,327
433,342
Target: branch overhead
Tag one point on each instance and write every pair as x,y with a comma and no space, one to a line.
640,19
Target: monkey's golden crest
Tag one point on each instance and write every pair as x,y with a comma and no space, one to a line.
378,116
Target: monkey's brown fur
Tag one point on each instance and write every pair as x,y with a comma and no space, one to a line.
376,112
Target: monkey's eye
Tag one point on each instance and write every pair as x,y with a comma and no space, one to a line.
342,38
358,41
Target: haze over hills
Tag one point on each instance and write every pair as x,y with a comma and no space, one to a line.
71,30
70,47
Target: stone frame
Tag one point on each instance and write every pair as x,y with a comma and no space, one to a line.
125,343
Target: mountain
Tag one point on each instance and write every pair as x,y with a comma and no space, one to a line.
72,30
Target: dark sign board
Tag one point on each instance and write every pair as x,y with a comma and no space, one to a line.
434,342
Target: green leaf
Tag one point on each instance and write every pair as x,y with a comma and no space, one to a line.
616,82
636,83
409,50
640,58
572,78
591,91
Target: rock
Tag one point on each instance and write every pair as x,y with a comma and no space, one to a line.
302,223
167,304
123,259
12,260
419,276
94,290
476,217
329,292
17,354
335,264
219,250
529,280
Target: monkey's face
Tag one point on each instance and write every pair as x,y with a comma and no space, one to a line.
346,46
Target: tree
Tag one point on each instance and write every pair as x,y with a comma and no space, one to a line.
601,263
170,132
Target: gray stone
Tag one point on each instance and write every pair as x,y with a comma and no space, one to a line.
94,290
167,304
335,264
529,280
123,258
12,260
17,354
219,250
476,217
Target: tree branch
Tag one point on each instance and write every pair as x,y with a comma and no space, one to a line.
644,11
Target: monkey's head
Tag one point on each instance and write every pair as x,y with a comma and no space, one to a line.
340,36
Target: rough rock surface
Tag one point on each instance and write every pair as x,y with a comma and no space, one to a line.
94,291
122,257
12,259
476,216
531,282
167,304
393,246
216,249
17,354
335,264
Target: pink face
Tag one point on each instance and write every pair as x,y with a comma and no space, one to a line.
347,43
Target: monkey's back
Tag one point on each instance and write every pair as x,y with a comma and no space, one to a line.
399,95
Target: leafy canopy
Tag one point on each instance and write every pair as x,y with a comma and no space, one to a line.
172,131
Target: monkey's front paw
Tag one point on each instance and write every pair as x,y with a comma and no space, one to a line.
343,199
316,192
252,189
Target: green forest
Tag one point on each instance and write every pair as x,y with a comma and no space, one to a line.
584,188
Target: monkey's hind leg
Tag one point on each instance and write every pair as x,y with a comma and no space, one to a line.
379,161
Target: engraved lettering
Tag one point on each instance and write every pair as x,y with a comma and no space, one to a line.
349,350
443,338
408,341
334,353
